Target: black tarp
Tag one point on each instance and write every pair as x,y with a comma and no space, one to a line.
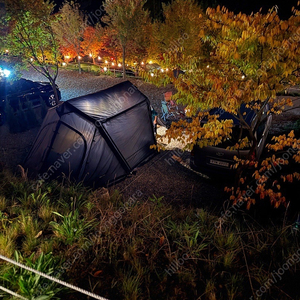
97,138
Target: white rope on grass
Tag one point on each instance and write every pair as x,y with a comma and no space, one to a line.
12,293
70,286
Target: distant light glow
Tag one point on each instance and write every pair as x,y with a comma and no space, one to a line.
162,70
119,65
243,77
63,63
106,62
67,57
167,69
79,57
207,66
112,64
91,55
6,50
99,57
31,59
150,62
152,74
105,69
4,72
142,62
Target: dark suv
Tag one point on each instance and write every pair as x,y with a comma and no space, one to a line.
218,160
17,92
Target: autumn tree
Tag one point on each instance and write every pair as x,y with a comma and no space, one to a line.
243,60
71,28
31,38
127,20
110,43
178,33
68,53
91,43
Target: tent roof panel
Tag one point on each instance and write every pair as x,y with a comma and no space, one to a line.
109,102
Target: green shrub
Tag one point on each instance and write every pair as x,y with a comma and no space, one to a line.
71,228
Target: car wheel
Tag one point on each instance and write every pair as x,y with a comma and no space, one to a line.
2,118
51,101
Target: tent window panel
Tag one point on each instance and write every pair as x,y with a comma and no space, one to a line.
67,152
80,124
132,133
103,166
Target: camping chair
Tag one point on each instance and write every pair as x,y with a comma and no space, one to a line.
171,103
166,114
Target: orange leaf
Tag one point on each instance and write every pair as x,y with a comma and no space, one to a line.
97,273
161,240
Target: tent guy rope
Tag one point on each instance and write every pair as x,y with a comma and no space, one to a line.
70,286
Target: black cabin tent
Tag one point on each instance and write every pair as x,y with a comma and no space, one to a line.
97,138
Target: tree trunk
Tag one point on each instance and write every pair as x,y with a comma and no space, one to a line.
53,85
251,155
79,66
123,57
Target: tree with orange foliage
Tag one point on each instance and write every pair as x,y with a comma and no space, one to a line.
91,43
244,60
110,44
68,53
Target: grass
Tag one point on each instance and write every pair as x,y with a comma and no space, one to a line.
147,250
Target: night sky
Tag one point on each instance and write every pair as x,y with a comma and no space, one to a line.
247,6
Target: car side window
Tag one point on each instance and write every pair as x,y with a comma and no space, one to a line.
25,85
261,128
